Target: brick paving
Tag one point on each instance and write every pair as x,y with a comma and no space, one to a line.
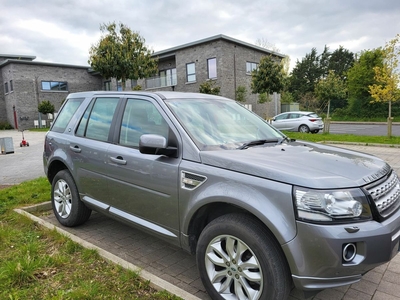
178,268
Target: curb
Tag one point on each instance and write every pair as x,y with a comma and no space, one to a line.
155,282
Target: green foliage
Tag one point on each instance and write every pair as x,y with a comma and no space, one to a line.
209,87
263,98
137,88
241,93
359,78
5,125
387,76
268,77
45,107
287,97
313,67
331,89
121,54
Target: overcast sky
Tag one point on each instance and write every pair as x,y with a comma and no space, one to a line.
62,31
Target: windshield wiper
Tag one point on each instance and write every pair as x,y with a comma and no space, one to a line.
256,143
287,139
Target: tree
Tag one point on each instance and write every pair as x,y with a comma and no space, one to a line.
305,75
241,93
264,43
330,88
121,54
268,77
45,107
340,61
209,87
387,77
359,77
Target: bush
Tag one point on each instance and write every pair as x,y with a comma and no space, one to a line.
45,107
5,125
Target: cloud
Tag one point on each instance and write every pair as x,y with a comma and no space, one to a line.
63,31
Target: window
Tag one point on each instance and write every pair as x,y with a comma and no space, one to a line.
6,87
11,86
212,68
107,85
98,120
141,117
66,113
119,85
250,67
168,77
190,72
54,86
133,83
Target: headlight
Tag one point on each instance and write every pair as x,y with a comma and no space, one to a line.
331,205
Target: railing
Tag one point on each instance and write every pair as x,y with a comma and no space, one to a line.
160,81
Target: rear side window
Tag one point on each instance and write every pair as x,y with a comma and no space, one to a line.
66,113
96,121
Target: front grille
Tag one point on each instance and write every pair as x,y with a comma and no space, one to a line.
386,195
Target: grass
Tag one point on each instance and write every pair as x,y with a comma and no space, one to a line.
345,138
37,263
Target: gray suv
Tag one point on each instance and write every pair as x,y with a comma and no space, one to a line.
262,213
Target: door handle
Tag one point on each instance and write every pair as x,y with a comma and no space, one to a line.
75,148
118,160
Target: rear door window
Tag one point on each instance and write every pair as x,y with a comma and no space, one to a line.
96,121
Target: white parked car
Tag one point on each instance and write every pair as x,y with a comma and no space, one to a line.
302,121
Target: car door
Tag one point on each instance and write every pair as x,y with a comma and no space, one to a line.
89,147
293,121
281,121
144,188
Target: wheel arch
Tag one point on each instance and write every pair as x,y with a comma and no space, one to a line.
210,212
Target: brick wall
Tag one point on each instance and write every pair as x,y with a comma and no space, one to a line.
28,94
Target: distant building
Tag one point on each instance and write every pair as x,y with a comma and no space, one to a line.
225,61
25,83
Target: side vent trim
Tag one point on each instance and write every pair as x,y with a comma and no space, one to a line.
191,181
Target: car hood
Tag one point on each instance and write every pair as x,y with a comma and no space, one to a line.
302,163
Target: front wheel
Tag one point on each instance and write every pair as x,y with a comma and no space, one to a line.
239,259
67,206
304,128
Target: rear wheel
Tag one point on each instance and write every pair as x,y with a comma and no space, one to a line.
239,259
304,128
67,206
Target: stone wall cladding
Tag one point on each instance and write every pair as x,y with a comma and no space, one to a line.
28,94
231,71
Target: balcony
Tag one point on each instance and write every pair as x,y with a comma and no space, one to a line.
161,81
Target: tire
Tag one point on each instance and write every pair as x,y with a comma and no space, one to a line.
304,128
67,207
259,272
315,131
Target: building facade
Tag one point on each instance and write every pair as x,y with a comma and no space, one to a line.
26,83
220,60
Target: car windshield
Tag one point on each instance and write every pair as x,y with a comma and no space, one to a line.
313,115
222,124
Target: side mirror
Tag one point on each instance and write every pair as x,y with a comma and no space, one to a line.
156,145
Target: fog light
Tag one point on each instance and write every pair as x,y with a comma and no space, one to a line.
349,252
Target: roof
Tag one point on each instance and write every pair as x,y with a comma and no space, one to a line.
170,51
19,57
29,62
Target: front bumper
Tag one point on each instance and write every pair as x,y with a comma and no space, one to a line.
315,256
